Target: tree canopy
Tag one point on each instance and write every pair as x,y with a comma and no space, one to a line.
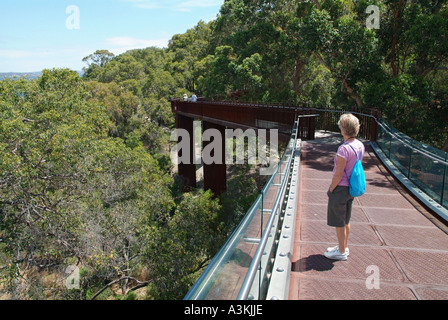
322,53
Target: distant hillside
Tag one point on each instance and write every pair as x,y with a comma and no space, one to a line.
26,75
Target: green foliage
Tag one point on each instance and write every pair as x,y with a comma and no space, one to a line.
85,174
73,193
95,62
187,51
183,248
133,89
321,53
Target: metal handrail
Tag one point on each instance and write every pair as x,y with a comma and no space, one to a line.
250,276
389,132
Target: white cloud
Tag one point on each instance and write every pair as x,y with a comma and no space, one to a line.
43,58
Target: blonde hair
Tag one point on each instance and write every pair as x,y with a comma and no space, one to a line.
349,125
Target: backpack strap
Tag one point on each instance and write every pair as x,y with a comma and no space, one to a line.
355,152
359,159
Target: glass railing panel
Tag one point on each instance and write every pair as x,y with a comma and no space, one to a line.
427,174
417,161
226,272
270,195
428,149
400,155
414,143
383,140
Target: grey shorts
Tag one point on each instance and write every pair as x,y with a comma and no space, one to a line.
340,204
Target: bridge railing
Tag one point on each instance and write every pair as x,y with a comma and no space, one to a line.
328,120
241,268
423,165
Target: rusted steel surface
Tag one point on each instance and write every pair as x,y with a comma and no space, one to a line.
187,170
215,174
236,114
281,117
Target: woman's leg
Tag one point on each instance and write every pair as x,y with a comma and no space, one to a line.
339,215
348,217
341,234
347,233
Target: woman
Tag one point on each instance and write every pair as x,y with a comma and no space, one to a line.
339,199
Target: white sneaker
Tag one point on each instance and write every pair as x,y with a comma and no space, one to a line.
336,255
329,249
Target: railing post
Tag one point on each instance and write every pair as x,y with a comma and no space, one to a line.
390,144
312,128
410,163
215,174
187,170
445,171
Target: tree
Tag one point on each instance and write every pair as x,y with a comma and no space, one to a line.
68,192
336,38
176,255
257,32
95,62
187,50
322,52
414,41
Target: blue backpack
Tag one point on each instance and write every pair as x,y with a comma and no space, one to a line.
358,178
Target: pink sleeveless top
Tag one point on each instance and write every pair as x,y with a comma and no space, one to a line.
347,153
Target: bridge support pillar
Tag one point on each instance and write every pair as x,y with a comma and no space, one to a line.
187,170
215,170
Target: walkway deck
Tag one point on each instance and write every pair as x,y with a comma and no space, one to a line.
390,231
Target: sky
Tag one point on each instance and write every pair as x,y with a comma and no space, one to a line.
46,34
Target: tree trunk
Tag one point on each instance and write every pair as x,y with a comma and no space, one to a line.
298,69
445,146
347,87
352,93
394,54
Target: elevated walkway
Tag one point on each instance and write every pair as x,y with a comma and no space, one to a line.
395,243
